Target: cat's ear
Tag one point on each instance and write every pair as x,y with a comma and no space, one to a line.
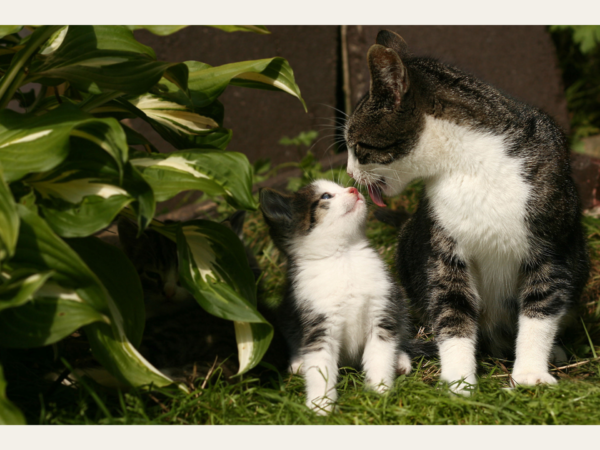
389,77
392,40
276,207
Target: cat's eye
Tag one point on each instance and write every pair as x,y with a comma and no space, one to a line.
326,196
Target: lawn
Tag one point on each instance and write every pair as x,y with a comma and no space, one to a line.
266,396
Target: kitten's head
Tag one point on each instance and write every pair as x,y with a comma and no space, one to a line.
155,259
322,213
386,124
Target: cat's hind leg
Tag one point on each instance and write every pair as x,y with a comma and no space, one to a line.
454,313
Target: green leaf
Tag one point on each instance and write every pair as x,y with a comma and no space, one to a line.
118,275
44,321
160,30
80,295
145,204
206,84
83,194
87,217
214,268
14,76
99,59
258,29
37,144
5,30
9,221
180,125
122,360
217,173
9,413
17,291
55,41
40,250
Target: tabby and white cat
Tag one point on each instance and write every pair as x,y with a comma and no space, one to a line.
496,250
341,305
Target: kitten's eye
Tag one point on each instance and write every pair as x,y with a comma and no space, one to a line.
326,196
153,275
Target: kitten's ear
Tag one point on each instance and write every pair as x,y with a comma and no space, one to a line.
276,207
389,77
392,40
130,243
236,222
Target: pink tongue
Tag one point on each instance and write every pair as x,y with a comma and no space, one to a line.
375,195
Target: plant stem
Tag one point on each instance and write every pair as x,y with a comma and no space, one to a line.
98,100
21,60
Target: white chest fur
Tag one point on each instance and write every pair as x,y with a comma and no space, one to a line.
349,287
478,194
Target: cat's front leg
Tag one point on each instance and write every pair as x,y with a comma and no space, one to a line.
454,310
320,370
543,303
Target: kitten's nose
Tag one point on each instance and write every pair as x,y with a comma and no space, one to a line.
350,174
353,190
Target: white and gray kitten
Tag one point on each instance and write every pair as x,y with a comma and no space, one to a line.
341,306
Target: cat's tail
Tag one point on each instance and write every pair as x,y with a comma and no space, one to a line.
418,347
393,217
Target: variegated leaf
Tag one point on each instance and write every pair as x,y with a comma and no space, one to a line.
217,173
214,268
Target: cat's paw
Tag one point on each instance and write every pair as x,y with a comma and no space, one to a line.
404,365
532,378
462,385
322,406
380,387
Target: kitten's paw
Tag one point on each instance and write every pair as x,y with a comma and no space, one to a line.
295,366
404,365
322,406
533,378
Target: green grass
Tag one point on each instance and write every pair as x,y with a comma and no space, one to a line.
268,397
414,399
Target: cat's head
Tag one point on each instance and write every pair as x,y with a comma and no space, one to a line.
322,214
385,127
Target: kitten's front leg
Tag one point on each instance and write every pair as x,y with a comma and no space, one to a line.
380,360
543,303
320,370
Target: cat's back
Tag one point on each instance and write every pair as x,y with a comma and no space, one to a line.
449,93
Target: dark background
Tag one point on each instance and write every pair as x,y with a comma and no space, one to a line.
520,60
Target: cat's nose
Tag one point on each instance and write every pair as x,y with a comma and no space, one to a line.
353,190
350,174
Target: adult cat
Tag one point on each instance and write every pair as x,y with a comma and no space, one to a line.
496,249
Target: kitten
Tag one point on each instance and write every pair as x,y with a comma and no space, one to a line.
341,305
496,251
155,260
180,338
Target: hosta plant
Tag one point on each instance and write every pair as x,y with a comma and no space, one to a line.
69,166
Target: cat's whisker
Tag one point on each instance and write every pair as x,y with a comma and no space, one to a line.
335,109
